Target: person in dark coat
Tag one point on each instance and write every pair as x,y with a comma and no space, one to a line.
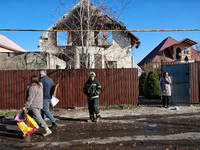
47,85
92,89
165,89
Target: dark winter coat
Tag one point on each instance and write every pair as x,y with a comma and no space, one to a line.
47,85
92,89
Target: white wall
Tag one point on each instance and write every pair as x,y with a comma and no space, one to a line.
92,50
120,51
55,61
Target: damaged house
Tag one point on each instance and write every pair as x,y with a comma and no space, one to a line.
14,57
107,43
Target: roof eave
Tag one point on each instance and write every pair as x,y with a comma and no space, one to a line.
12,49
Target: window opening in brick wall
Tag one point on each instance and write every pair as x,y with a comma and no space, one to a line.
62,38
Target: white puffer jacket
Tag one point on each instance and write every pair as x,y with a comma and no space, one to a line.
165,86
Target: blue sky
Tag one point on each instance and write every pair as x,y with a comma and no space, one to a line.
140,15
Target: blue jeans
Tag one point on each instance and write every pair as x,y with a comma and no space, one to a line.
45,111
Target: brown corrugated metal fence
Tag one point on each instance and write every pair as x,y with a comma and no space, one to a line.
119,86
194,82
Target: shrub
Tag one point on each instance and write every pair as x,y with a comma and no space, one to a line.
142,80
151,86
186,58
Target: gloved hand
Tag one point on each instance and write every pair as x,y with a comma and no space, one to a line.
95,93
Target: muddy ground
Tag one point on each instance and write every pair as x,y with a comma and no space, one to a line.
144,127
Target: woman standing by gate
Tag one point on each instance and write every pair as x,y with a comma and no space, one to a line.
165,89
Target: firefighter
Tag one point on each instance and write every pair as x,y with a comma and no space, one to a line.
92,89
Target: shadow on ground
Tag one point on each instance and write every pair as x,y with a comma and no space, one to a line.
149,102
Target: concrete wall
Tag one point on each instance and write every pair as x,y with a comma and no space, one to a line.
120,51
48,42
92,51
28,61
55,62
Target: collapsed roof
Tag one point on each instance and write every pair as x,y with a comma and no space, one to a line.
98,21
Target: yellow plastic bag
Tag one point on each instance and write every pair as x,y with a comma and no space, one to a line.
29,127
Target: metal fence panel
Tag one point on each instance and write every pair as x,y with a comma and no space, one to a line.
119,86
195,82
180,83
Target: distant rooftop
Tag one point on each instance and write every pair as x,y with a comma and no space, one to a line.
9,44
156,53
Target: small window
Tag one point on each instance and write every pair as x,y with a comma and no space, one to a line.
107,35
111,64
185,51
62,38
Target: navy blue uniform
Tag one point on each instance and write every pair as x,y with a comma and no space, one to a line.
92,89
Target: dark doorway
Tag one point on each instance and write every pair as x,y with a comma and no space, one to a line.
178,53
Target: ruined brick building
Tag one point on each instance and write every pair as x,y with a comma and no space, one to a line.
101,49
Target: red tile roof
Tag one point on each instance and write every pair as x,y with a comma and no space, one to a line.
9,44
156,53
195,54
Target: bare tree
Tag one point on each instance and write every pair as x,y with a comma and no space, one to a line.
87,27
197,46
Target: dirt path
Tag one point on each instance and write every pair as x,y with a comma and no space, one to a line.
138,128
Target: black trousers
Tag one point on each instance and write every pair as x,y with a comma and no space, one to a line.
165,99
93,108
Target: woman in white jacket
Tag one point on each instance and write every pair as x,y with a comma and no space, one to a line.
165,89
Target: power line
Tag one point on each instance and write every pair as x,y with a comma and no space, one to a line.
161,30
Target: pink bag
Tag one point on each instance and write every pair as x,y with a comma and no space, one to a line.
20,116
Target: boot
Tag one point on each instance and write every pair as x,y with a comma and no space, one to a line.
90,120
98,120
54,125
47,133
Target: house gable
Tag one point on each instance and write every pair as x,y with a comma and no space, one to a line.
99,23
183,49
159,51
170,50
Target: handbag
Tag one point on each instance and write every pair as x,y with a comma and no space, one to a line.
29,126
54,101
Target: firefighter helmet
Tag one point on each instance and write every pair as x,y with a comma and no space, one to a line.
92,74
